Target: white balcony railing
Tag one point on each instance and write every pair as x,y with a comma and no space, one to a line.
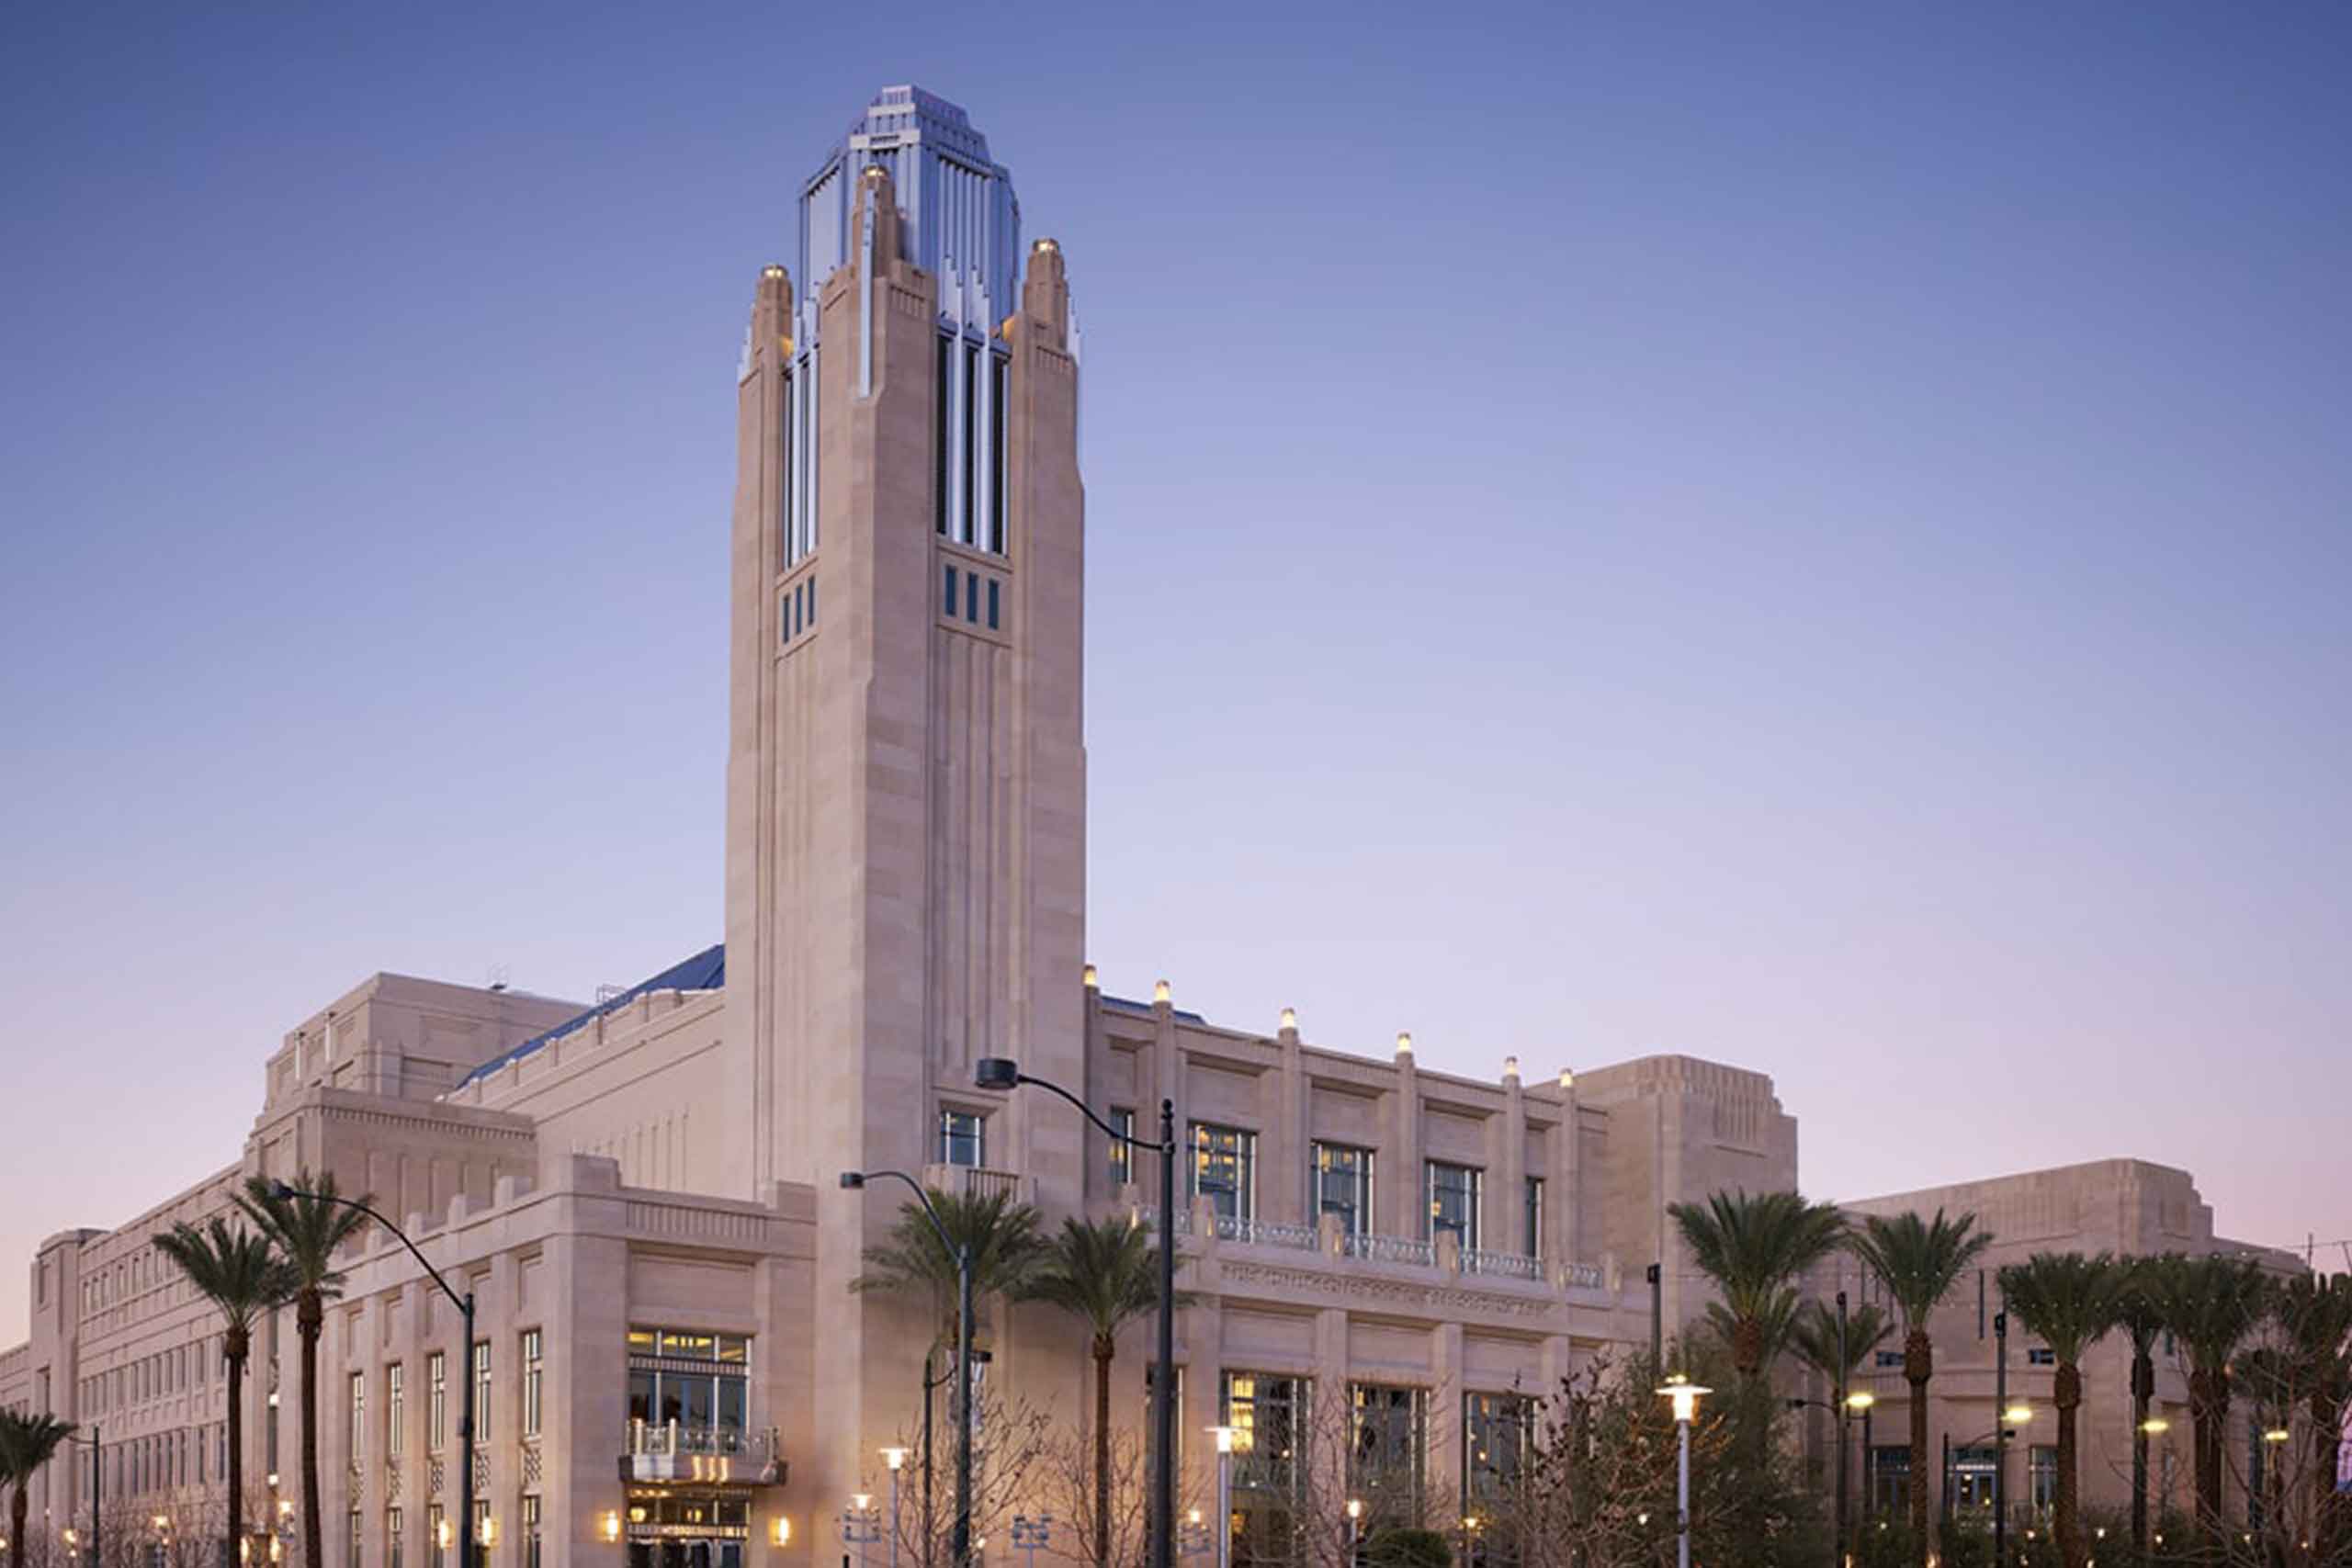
978,1181
1390,1249
1501,1265
1267,1233
673,1450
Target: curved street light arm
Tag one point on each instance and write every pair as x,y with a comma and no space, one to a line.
283,1190
1130,1140
923,1198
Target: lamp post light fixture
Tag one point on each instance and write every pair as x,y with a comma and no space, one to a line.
960,1544
1002,1072
1355,1527
1685,1396
1192,1538
97,1482
468,1550
1029,1534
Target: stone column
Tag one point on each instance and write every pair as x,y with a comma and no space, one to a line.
1403,1210
1505,1228
1285,1198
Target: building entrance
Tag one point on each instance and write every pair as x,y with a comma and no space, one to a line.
687,1529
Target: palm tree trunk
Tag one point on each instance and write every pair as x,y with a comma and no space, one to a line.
2206,1415
2143,1388
1918,1366
18,1506
235,1355
2327,1504
1104,1349
2067,1393
310,1318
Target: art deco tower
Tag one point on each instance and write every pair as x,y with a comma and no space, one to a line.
906,826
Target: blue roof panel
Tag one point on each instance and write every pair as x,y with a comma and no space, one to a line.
705,971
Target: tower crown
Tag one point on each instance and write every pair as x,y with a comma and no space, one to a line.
960,221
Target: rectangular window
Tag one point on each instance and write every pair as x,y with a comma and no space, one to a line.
1343,1179
358,1423
708,1402
1388,1454
1969,1483
967,448
394,1542
1532,1243
1891,1359
998,422
812,599
2041,1470
395,1410
1454,1201
436,1399
530,1531
993,586
1123,1155
436,1535
1498,1433
482,1392
531,1343
947,599
1889,1480
1224,1170
963,1139
2040,1356
972,597
1268,1414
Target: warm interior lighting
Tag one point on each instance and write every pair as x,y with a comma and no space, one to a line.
1860,1399
1685,1394
1159,991
895,1458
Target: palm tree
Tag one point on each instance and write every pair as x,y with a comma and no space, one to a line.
999,1233
27,1441
2140,1315
239,1272
1814,1336
1767,1332
1918,1261
1752,1248
2316,1312
2071,1302
1105,1273
2212,1305
309,1226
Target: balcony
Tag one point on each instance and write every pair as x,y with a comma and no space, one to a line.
1330,1239
672,1451
978,1181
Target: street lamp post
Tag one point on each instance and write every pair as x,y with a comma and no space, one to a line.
1685,1396
1224,1436
895,1458
98,1482
2001,1438
860,1525
960,1546
469,1548
1029,1534
1355,1527
1002,1073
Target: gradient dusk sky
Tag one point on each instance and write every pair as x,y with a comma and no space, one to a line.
1816,537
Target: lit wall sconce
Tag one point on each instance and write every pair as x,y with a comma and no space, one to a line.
441,1537
781,1530
489,1530
610,1526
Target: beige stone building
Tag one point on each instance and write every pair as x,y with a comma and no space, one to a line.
642,1194
2127,1207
